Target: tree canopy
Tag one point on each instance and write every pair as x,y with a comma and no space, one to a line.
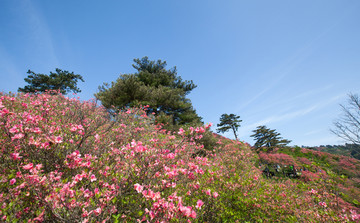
154,85
64,81
266,137
229,122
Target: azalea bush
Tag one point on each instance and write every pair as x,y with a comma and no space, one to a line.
64,160
68,161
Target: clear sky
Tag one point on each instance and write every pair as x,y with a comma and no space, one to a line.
284,64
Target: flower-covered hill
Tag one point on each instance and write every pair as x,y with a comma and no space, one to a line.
339,174
63,160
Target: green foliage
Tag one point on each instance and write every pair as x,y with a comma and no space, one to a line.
64,81
153,85
268,138
229,122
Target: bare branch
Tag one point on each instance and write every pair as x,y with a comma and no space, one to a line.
347,126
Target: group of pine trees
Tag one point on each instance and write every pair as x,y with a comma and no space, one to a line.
164,92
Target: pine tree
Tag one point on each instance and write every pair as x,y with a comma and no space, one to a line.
268,138
64,81
229,122
163,90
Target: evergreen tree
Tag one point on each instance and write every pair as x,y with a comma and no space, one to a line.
268,138
229,122
61,80
152,85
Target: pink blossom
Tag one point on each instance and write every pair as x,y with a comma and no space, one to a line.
199,203
138,188
256,177
17,136
16,156
152,215
97,137
28,166
58,139
181,131
14,130
170,156
37,130
323,204
73,129
93,178
193,214
12,181
215,194
97,211
4,111
208,192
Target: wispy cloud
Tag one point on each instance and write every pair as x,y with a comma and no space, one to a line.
313,132
287,116
286,67
39,33
280,118
10,76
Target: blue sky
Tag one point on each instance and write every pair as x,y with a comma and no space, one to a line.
284,64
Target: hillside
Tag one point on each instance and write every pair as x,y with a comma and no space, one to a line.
64,160
340,175
351,150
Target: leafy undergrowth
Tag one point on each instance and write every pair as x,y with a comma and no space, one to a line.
63,160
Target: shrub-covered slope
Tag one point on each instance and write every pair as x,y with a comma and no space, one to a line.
63,160
339,174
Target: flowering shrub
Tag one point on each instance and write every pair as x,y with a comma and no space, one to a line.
63,160
277,158
67,160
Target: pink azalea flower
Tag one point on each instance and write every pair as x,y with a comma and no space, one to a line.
73,129
181,131
13,130
138,188
28,166
193,214
97,211
152,215
93,178
18,136
208,192
97,137
58,139
12,181
199,203
215,194
16,156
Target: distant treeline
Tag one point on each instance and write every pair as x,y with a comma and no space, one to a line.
352,150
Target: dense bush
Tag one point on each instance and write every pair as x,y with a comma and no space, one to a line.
63,160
